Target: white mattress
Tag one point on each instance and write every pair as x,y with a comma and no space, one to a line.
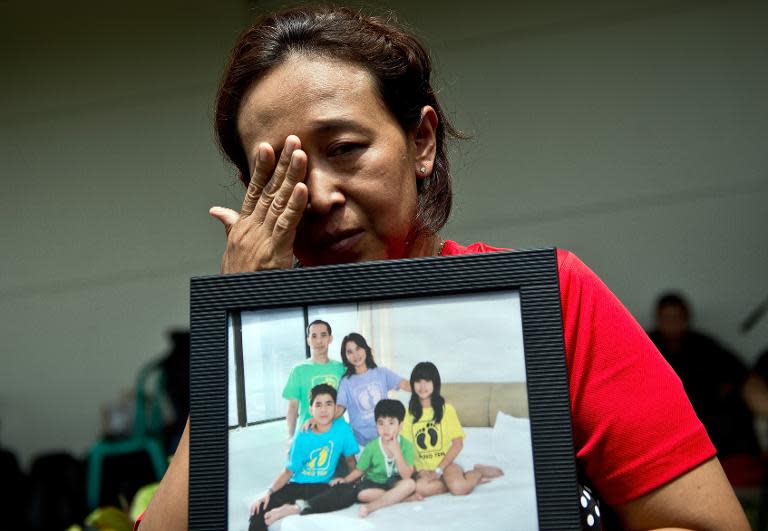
508,502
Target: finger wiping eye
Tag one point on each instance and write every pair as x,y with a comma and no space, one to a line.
263,153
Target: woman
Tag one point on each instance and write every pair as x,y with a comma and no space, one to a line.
331,120
362,386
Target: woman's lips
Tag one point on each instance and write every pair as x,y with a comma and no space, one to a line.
344,243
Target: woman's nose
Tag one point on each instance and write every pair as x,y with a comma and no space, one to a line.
324,191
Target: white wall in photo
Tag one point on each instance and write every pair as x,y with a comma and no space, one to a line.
471,338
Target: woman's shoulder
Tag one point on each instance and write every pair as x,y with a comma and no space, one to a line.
567,261
381,371
451,248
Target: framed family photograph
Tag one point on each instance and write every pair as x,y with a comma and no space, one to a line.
401,395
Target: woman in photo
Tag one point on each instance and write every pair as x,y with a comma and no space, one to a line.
332,121
435,431
362,386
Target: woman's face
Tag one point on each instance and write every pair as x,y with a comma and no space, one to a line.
361,166
355,355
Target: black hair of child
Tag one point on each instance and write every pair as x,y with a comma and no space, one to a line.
386,407
426,370
322,389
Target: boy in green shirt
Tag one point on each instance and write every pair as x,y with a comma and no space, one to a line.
386,462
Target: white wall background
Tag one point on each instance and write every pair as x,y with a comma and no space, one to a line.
630,132
108,168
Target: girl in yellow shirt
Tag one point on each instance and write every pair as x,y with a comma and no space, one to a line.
435,431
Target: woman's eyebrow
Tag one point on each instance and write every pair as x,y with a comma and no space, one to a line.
333,125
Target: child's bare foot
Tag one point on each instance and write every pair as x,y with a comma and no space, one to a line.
489,472
363,511
414,497
280,512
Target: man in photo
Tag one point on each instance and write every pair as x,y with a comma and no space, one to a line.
386,462
311,463
318,369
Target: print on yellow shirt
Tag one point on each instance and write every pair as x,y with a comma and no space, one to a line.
430,439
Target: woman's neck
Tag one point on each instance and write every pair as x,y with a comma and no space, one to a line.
424,244
360,369
426,402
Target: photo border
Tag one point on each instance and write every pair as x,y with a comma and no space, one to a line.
533,273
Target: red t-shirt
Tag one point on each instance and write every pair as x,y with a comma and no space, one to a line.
633,427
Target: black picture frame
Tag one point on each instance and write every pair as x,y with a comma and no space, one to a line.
532,272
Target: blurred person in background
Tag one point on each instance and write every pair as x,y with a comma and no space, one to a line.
713,378
176,369
755,394
13,489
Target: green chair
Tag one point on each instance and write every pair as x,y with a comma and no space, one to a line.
146,435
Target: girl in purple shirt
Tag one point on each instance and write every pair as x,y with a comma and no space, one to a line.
363,385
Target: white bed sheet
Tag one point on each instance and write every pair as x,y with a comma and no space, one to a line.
508,502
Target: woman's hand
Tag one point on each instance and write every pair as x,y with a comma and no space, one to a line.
260,504
261,236
336,481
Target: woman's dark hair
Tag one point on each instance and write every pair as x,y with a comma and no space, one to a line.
426,370
360,341
397,62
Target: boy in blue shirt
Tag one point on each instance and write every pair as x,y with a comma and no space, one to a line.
311,463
